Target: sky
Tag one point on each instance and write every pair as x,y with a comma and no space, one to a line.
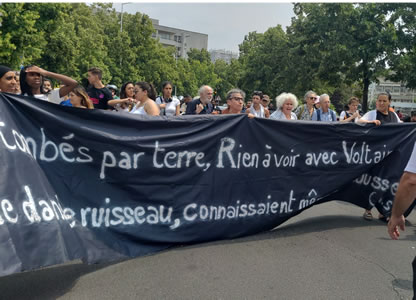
225,23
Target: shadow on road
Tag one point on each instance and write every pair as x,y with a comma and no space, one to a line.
48,283
311,225
52,282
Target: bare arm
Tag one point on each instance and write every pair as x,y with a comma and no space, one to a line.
360,121
151,108
69,83
406,194
364,120
114,102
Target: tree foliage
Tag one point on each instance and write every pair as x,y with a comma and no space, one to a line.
334,48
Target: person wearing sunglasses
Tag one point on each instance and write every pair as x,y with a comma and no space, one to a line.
305,111
235,102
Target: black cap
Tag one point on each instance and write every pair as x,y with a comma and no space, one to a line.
4,70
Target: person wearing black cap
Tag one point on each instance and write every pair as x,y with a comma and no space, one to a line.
8,83
31,84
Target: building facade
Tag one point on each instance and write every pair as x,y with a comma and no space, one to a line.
182,40
402,98
223,54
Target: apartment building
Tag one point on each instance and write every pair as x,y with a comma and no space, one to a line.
182,40
403,99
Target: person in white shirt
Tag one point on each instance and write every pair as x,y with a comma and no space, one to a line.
31,84
145,95
168,105
352,113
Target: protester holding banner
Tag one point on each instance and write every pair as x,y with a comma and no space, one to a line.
31,84
382,114
79,98
145,94
126,101
168,105
235,100
352,113
257,109
306,111
324,113
202,105
8,80
285,103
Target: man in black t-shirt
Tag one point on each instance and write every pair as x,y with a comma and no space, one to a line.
97,92
389,118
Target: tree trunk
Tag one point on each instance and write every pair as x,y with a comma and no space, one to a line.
366,81
365,94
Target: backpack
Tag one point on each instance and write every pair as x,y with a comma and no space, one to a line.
318,115
301,110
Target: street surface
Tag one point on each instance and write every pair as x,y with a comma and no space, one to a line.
327,252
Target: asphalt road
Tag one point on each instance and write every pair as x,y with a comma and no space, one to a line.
327,252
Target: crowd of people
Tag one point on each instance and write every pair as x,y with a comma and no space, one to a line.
142,98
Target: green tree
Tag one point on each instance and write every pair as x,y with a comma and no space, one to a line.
229,76
342,42
20,40
264,57
201,65
403,61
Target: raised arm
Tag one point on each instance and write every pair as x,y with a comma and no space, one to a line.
69,83
114,102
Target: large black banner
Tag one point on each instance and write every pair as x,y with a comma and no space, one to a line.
102,186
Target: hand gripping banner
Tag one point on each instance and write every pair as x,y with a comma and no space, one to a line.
103,186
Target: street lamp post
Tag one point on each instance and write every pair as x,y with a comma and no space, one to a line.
121,26
121,21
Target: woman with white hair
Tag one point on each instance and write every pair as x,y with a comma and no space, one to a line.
285,104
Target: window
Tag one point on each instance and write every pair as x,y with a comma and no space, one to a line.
164,35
